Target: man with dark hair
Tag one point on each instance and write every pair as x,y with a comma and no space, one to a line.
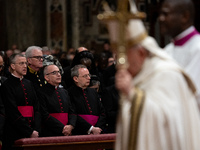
91,117
58,116
176,20
21,104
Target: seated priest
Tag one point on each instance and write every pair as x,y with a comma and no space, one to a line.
58,117
91,118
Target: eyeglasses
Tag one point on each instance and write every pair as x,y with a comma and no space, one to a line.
37,57
54,73
22,63
86,76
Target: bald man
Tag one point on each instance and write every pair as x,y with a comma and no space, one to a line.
57,113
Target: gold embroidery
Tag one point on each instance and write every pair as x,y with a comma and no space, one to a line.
32,71
189,82
136,109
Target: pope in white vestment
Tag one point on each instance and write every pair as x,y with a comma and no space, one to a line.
159,109
165,116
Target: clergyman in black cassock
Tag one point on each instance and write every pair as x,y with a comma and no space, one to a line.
34,69
2,111
58,116
91,118
55,103
21,104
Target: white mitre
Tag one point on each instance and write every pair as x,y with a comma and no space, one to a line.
137,34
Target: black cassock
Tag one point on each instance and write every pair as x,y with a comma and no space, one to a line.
110,100
87,103
36,77
2,110
21,109
56,110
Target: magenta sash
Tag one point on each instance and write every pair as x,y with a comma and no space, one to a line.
26,111
91,119
62,117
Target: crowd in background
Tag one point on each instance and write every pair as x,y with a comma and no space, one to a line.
53,93
95,87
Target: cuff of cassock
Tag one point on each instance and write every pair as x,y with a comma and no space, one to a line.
89,131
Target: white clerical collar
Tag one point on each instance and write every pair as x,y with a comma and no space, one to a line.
17,77
184,33
60,86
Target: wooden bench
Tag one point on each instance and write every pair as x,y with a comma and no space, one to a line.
80,142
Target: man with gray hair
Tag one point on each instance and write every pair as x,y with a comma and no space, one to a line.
35,63
91,116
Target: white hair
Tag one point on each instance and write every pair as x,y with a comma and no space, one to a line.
30,49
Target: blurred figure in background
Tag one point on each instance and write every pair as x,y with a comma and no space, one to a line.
71,54
46,51
176,20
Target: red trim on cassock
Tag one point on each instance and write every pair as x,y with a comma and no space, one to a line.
91,119
62,117
26,111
